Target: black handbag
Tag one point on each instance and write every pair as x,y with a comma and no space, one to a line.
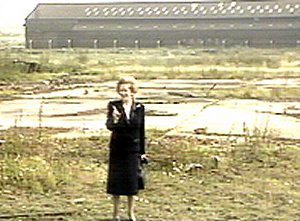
142,174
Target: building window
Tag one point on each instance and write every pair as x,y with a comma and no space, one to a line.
194,6
156,9
292,10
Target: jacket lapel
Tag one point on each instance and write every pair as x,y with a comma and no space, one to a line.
132,111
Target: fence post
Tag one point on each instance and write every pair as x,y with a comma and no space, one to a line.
179,43
224,43
30,44
69,43
95,43
137,44
158,43
115,43
50,44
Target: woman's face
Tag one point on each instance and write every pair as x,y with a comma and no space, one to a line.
125,91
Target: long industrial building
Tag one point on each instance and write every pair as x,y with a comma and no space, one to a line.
164,24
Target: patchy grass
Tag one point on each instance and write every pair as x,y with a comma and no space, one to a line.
154,63
66,178
63,67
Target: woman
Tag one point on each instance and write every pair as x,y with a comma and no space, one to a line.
126,120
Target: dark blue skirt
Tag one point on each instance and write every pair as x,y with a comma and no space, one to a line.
123,174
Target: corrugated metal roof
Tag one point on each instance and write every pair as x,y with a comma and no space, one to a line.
166,10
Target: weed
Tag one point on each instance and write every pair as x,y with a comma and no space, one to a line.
26,165
251,181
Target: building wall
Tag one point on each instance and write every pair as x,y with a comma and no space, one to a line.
97,33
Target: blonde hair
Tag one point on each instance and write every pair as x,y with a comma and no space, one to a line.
128,80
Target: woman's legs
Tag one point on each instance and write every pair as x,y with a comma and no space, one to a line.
116,202
131,208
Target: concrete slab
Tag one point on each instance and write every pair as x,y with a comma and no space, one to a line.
82,108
